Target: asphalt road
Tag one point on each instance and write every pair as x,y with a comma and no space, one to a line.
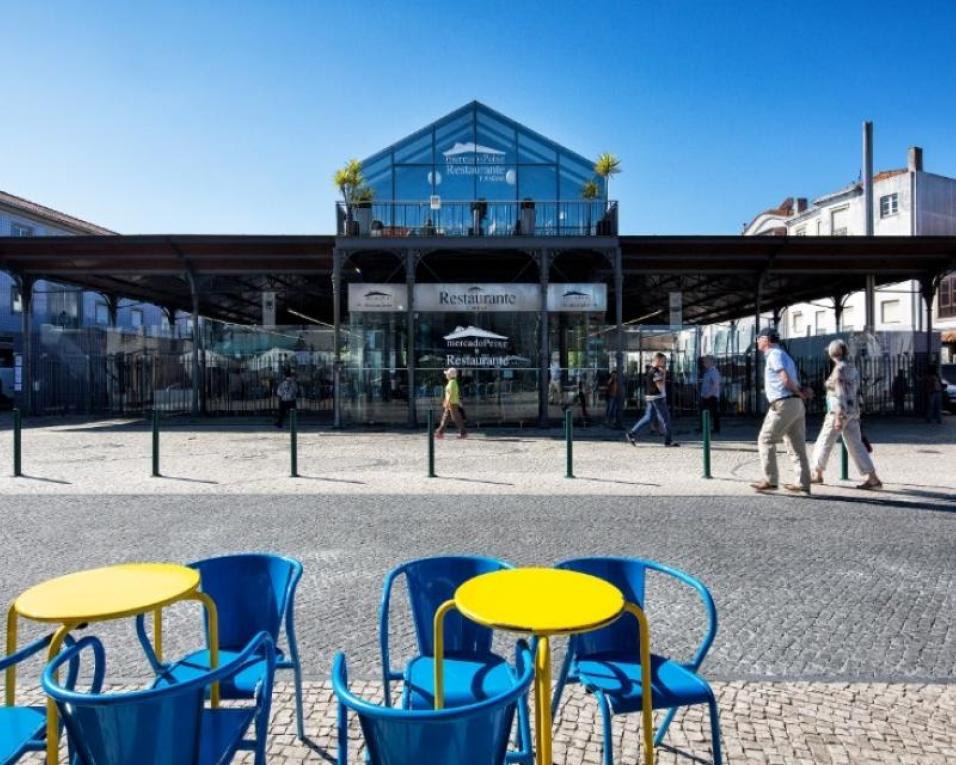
805,589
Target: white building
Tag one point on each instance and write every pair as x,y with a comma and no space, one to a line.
906,202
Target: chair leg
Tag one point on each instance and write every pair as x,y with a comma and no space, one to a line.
665,723
562,681
343,737
608,734
299,722
715,729
525,748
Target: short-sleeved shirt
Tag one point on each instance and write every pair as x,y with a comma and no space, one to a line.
710,384
777,360
652,377
452,395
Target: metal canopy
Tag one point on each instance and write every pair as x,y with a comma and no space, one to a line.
718,275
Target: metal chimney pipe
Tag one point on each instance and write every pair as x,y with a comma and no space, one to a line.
868,220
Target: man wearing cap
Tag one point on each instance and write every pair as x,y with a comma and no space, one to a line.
786,416
451,406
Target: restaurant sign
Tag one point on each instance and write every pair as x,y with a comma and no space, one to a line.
485,298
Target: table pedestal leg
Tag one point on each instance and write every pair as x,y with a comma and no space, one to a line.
52,719
646,706
542,702
10,681
212,620
158,633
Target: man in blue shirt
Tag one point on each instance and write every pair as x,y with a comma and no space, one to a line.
786,416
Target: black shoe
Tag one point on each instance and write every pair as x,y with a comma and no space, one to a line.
672,443
630,438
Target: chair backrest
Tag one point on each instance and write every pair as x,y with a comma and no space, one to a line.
252,591
432,581
161,726
629,575
476,734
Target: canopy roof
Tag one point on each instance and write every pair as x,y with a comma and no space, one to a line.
718,275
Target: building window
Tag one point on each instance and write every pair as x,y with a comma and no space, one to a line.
136,318
890,312
16,299
18,229
838,221
848,318
820,322
101,315
889,205
796,323
947,298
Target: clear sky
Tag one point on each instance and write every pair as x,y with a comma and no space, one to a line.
230,117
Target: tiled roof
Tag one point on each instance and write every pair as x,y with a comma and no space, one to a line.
50,215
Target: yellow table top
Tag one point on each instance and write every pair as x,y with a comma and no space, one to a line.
111,592
540,601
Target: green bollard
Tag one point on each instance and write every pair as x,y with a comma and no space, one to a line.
705,426
844,461
294,441
155,444
431,444
569,442
17,462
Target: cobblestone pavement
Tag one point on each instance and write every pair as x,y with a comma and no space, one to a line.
768,723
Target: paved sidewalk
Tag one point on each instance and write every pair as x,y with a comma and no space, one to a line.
766,723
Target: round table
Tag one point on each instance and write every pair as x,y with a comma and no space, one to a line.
544,602
101,594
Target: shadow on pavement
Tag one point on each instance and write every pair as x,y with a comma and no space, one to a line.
44,480
474,480
330,480
614,480
187,480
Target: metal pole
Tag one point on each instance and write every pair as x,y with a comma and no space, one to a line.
569,442
294,441
337,338
411,263
431,443
544,258
844,461
17,456
705,426
156,472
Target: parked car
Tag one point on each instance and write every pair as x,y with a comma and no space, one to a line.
947,374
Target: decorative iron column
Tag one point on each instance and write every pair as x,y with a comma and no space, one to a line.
838,311
337,337
197,342
544,272
25,284
928,285
411,263
619,312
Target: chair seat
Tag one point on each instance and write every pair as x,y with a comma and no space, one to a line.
18,727
619,677
222,732
467,678
242,685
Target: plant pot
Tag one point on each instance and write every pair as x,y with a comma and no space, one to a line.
528,219
363,216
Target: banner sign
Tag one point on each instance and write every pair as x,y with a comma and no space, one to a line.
486,298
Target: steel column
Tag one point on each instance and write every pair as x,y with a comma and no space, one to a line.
411,263
26,325
928,290
337,338
619,313
197,340
870,297
544,273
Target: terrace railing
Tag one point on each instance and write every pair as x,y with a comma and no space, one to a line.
490,218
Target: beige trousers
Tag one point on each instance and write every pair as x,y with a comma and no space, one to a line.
785,421
451,411
853,439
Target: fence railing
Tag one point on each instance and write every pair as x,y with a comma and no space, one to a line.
492,218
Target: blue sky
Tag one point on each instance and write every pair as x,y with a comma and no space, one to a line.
230,117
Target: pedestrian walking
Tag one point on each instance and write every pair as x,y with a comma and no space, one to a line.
451,405
579,395
655,398
843,419
786,417
710,392
612,409
900,389
934,395
288,393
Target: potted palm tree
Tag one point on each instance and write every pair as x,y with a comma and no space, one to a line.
590,191
362,201
606,166
349,179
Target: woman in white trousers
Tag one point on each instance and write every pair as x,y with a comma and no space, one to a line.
843,419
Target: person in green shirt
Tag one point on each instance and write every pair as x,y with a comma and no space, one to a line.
451,406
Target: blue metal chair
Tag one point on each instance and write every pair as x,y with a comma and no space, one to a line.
253,592
162,726
472,734
23,729
472,672
607,662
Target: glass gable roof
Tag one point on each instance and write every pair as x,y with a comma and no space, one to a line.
477,153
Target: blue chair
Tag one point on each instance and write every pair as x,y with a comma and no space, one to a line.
472,672
472,734
161,726
23,729
607,662
253,592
